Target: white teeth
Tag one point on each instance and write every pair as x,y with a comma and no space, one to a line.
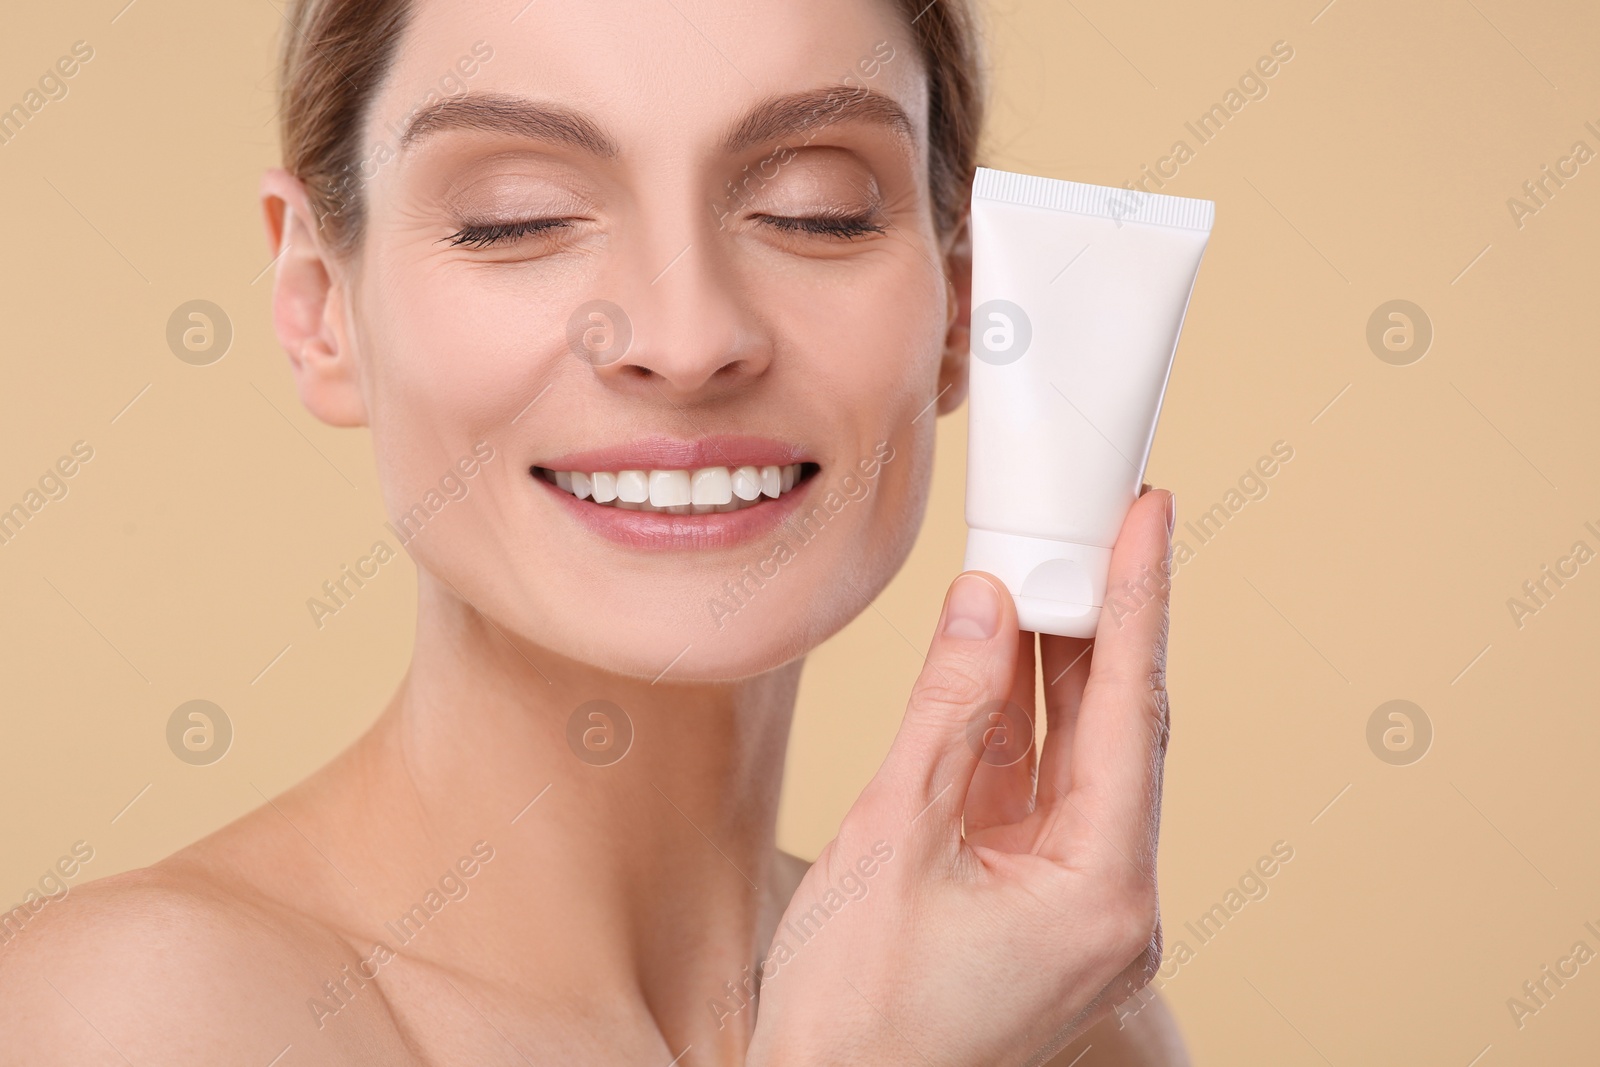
702,491
633,487
711,485
669,488
747,483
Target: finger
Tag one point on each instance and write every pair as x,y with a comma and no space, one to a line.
1067,663
1001,792
970,669
1120,743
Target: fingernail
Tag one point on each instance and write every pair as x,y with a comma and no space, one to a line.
974,609
1172,512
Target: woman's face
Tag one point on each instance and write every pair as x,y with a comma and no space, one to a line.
610,236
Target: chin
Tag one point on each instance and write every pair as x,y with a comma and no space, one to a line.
655,639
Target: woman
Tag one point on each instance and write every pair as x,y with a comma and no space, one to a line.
635,298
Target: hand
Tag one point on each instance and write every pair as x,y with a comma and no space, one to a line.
963,917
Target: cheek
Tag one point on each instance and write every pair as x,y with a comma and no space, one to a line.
886,369
452,360
867,356
872,342
466,341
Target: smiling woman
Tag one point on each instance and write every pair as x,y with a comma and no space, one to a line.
765,203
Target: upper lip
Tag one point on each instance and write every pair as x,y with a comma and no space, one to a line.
661,452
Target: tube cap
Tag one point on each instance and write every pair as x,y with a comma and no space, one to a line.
1059,586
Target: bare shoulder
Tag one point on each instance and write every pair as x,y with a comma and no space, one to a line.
165,965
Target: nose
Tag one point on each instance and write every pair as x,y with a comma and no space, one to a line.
682,327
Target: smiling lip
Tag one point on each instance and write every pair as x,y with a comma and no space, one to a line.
665,531
674,453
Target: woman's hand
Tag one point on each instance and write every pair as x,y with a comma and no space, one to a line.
963,916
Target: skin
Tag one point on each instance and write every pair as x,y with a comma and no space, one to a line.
610,911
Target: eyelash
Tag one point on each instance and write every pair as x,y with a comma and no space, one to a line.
482,236
843,226
846,227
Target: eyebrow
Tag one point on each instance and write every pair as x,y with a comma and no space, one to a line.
805,112
499,113
771,120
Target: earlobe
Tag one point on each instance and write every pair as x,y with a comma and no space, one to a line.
307,305
958,325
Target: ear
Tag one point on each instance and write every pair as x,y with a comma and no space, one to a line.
308,291
958,325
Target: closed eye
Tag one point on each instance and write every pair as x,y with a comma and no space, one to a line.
845,227
841,226
483,235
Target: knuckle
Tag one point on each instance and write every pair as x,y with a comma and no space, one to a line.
952,687
1148,687
1158,710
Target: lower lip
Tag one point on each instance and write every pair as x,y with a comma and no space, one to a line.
658,531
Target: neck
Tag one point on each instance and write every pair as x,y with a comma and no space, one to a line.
643,863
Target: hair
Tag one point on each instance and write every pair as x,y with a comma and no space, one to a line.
336,54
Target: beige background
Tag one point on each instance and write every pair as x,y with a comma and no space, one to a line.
1378,567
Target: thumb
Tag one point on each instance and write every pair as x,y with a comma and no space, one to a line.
968,674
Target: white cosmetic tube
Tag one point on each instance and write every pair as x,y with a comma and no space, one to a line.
1078,296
